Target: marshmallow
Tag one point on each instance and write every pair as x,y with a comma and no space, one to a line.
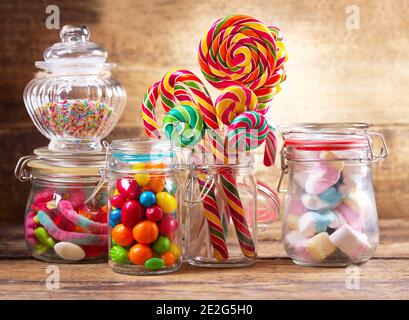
320,246
337,164
332,196
314,202
321,178
312,222
353,218
359,202
294,239
347,186
350,241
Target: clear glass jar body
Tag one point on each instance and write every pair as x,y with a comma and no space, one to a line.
144,208
60,225
330,214
221,222
74,111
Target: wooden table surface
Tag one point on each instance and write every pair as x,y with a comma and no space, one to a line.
274,276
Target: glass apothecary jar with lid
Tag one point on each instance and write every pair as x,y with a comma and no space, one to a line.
75,102
330,215
145,230
65,220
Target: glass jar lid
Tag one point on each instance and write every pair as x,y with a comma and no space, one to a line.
49,165
75,53
304,141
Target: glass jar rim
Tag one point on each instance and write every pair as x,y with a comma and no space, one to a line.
326,136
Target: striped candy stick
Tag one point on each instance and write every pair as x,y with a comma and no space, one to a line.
148,111
237,213
184,87
215,225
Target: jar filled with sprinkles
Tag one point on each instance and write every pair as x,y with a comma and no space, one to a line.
75,102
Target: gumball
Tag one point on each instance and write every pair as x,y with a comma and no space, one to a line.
154,263
161,245
128,188
156,184
166,202
138,166
169,258
122,235
114,217
167,226
145,232
132,213
140,253
154,213
118,255
147,199
175,249
117,201
142,179
155,165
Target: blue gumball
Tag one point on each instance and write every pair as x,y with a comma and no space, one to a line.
147,199
114,217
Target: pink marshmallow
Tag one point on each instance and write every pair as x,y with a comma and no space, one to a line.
353,218
321,179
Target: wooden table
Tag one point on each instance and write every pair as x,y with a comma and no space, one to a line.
274,276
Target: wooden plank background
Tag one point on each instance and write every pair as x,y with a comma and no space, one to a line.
334,74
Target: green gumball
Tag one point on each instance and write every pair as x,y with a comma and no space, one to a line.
119,255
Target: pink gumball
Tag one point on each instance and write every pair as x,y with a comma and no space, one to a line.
154,213
168,225
117,201
131,213
128,188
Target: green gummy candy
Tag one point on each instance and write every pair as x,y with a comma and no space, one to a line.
40,248
119,255
42,236
161,245
154,263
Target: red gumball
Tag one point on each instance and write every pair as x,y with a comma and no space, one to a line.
131,213
128,188
117,201
168,225
154,213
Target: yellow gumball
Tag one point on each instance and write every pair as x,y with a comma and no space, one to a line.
142,179
166,202
175,249
138,166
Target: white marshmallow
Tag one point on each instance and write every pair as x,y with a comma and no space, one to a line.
314,222
349,241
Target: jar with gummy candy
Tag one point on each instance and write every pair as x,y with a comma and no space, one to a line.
144,207
62,222
330,215
225,208
75,102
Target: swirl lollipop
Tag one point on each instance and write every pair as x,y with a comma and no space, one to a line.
233,101
148,111
184,126
241,50
249,130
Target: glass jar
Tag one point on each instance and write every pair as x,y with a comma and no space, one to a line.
62,223
330,215
144,208
75,102
222,218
